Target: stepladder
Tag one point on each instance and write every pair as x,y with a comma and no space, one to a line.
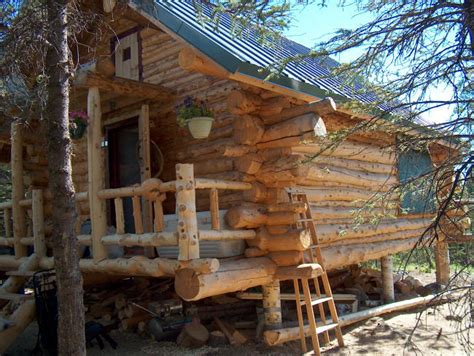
312,295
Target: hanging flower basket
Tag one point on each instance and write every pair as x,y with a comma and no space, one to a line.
77,124
200,126
195,115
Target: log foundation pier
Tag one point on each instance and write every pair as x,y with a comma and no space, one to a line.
272,305
388,292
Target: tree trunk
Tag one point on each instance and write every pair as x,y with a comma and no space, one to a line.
71,337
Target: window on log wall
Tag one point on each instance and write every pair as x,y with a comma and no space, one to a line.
418,190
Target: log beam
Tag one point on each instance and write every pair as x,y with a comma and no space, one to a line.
277,337
122,86
232,276
190,60
322,108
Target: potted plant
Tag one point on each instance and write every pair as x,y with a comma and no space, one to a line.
194,114
77,124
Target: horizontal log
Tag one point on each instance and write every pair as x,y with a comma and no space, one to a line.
399,235
225,147
203,183
302,271
225,235
293,239
232,276
241,103
123,86
345,255
349,150
280,336
343,194
7,241
322,108
134,266
295,207
190,60
146,240
253,216
248,130
296,126
332,233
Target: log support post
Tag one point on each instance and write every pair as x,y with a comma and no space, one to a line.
186,210
18,189
272,305
442,261
388,292
96,170
7,217
38,223
145,169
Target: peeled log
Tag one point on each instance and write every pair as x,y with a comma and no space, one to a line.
248,130
276,337
232,276
322,108
342,175
249,164
280,258
332,233
349,150
257,194
292,240
241,103
250,217
191,61
294,127
339,194
344,255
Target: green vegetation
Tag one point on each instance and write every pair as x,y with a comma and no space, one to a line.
423,260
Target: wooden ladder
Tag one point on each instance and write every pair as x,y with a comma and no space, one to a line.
314,256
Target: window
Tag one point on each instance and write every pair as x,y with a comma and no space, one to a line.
417,194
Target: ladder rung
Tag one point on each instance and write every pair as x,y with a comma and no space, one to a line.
16,297
319,300
304,220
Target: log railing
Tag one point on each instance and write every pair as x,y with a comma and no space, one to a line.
187,234
36,204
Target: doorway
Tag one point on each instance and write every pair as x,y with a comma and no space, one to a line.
124,164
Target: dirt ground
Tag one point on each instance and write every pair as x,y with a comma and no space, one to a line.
436,334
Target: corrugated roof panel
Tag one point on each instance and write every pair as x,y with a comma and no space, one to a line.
247,48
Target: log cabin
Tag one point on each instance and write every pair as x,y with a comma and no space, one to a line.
216,214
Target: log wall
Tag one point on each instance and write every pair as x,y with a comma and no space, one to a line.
256,139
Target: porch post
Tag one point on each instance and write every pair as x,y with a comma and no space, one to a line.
188,239
442,260
95,162
38,223
145,169
388,292
18,189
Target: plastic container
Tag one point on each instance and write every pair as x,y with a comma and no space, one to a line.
207,249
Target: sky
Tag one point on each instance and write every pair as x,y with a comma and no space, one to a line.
314,23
